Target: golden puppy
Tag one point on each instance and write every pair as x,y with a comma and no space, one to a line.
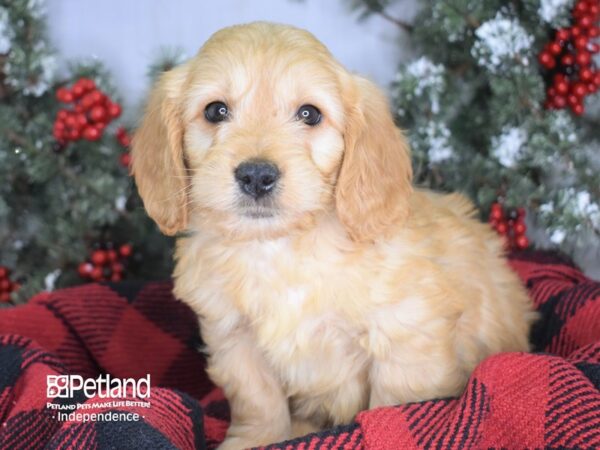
324,283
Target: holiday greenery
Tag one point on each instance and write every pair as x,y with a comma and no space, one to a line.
69,211
501,103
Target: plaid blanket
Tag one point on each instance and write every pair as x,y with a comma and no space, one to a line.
550,398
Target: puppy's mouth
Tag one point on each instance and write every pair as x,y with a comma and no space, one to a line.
263,208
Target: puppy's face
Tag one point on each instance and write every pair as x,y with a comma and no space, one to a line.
261,133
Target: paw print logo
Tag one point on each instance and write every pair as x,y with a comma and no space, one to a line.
56,386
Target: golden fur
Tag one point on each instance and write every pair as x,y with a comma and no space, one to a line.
351,289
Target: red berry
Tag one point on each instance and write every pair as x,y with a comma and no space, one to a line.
98,113
585,22
586,74
563,34
74,134
519,228
555,48
125,141
592,88
594,48
5,297
114,110
96,274
87,84
4,272
583,58
551,92
64,95
97,97
125,159
81,120
502,228
567,60
117,267
559,101
77,90
581,42
547,60
5,285
575,31
87,101
71,121
125,250
579,89
112,255
91,133
581,7
62,114
578,109
85,269
562,87
522,242
99,257
572,100
116,277
593,32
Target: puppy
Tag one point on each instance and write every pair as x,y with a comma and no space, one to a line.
325,284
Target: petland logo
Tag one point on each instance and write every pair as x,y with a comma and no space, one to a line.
66,386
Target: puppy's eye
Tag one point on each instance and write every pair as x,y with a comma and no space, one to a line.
309,114
216,112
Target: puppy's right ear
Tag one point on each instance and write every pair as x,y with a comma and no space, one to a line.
157,154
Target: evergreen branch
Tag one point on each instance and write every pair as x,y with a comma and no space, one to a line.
469,19
404,25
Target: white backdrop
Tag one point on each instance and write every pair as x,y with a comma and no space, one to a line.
128,35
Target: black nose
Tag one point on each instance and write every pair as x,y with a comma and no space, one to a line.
257,177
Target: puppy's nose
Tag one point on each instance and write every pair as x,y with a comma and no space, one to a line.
257,177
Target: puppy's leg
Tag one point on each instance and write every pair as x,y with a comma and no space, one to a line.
259,408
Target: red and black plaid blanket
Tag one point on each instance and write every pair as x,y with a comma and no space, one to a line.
550,398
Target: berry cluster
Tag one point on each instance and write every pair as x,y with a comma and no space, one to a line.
125,140
92,110
6,286
106,263
511,225
571,72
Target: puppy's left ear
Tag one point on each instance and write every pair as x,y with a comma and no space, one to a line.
374,184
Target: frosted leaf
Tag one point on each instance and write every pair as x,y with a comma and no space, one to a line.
580,204
563,125
501,40
50,279
120,203
547,208
549,10
435,138
43,81
508,147
37,8
558,236
428,79
5,31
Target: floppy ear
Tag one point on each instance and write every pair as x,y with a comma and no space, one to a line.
157,154
374,183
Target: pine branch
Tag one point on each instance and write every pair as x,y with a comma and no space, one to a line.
404,25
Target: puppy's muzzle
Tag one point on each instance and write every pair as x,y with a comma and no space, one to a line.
257,177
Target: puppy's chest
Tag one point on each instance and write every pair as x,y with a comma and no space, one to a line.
294,306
